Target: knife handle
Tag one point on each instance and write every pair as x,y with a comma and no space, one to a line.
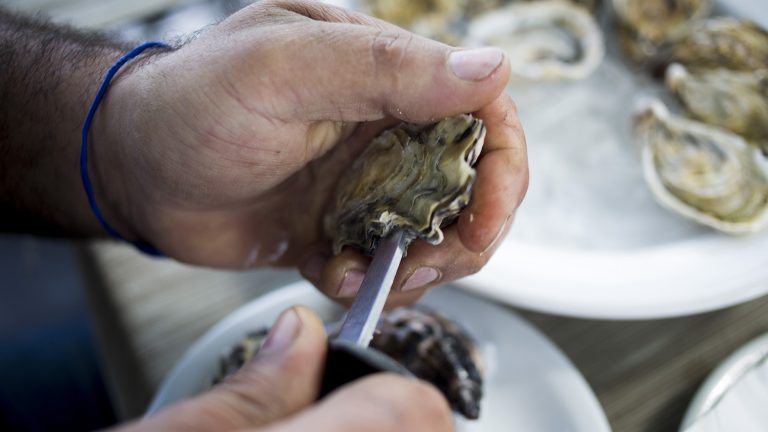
347,362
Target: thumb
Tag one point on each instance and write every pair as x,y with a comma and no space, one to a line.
362,73
283,378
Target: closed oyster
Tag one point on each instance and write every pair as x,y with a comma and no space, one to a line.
412,178
702,172
544,40
437,350
646,25
728,43
737,101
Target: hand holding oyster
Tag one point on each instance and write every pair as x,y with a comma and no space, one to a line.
411,178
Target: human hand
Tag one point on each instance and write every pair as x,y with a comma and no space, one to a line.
225,152
275,392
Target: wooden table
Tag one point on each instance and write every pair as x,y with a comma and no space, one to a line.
643,372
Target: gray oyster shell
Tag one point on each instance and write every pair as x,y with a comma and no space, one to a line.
646,26
702,172
730,43
737,101
544,40
412,178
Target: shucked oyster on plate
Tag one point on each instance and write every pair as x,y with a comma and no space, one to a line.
646,25
412,177
702,172
429,345
544,40
737,101
729,43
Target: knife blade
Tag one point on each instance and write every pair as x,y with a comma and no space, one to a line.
349,357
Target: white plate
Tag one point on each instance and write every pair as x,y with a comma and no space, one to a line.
724,377
590,240
531,386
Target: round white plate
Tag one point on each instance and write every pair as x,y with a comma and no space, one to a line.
589,239
530,385
724,377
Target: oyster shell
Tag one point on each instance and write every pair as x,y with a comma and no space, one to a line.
437,19
437,350
412,178
429,345
702,172
728,43
646,25
737,101
544,40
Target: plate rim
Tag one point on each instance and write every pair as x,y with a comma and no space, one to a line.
288,293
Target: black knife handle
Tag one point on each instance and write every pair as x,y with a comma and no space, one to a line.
347,362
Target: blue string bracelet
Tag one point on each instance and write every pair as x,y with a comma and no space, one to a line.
87,185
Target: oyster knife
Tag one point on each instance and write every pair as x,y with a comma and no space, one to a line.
349,357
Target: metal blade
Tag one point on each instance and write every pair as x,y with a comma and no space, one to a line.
361,320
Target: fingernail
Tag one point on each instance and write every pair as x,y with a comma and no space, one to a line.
499,234
282,333
421,277
475,64
351,283
314,266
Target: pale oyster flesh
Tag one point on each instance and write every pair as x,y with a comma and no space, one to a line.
412,178
729,43
646,25
544,40
737,101
431,346
702,172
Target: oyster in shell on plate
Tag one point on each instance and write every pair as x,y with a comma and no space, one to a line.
437,350
646,25
702,172
412,177
437,19
429,345
737,101
544,40
728,43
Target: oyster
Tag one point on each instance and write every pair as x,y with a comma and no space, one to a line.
737,101
412,178
728,43
544,40
646,25
429,345
437,350
702,172
437,19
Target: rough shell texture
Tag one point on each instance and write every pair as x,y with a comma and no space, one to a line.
437,350
702,172
737,101
412,178
428,344
544,40
729,43
646,25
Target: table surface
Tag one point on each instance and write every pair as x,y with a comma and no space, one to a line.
644,372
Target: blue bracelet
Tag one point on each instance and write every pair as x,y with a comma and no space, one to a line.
140,245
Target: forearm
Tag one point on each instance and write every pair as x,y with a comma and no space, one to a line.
48,78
